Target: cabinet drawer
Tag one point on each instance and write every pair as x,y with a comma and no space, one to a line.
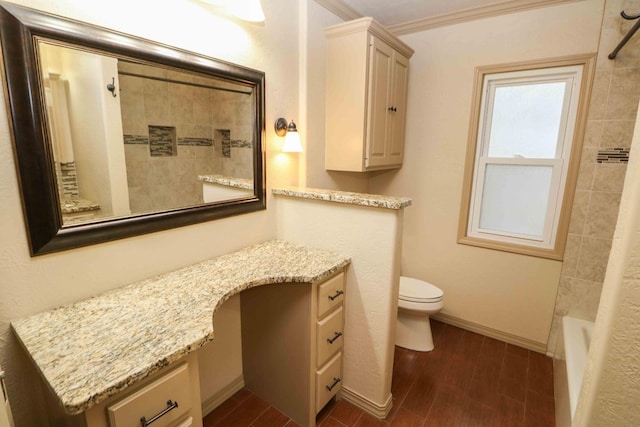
329,336
328,381
330,294
153,400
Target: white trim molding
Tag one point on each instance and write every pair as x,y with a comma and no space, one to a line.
472,14
365,404
502,7
536,346
221,396
340,8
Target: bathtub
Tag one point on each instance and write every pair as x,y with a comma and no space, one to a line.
568,366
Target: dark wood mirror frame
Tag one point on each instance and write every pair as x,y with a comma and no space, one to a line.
20,28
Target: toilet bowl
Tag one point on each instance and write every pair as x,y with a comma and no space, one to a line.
417,301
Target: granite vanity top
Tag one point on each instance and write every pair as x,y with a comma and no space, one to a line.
78,205
95,348
228,181
373,200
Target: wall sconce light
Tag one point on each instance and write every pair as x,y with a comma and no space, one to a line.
291,137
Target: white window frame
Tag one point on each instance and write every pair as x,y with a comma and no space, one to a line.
551,243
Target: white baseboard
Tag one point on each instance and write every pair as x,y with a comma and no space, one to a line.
365,404
227,391
493,333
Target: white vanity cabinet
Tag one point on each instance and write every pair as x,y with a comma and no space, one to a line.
292,345
367,77
168,398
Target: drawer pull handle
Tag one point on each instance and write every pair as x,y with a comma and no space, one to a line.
170,406
335,337
335,383
337,294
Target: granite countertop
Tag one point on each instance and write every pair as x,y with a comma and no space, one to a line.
78,205
91,350
362,199
228,181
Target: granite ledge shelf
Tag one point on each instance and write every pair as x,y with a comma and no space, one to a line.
362,199
93,349
228,181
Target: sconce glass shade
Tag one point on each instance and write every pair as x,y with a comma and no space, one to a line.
292,142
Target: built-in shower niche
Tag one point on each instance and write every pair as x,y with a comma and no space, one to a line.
223,136
162,141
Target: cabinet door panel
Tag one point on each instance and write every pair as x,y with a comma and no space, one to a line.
380,69
398,116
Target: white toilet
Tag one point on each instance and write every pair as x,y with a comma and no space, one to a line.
418,300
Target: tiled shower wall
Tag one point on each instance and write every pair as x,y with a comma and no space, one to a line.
611,119
175,132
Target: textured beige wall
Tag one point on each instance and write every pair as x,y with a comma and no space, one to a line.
611,386
611,118
29,285
371,237
510,293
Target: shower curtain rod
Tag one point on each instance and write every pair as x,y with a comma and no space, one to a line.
626,38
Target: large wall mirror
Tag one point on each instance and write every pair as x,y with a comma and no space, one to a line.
117,136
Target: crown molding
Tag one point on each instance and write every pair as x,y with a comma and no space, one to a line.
374,27
470,14
502,7
339,8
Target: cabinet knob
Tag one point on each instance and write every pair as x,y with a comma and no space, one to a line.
393,109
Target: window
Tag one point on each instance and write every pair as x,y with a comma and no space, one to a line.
521,173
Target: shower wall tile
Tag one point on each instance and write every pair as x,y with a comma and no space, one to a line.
592,262
571,254
157,110
136,139
593,133
622,103
203,142
580,297
579,211
194,112
617,133
599,94
613,155
69,180
614,101
602,215
609,177
587,168
162,141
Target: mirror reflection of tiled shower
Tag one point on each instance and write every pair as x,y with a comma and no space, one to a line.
177,126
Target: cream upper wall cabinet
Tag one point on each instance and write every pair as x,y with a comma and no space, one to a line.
367,77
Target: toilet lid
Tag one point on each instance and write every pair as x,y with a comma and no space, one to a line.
418,290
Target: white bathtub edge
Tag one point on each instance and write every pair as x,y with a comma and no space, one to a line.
569,363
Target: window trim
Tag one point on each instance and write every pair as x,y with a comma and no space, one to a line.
556,249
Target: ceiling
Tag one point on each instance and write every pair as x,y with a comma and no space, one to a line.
394,12
407,16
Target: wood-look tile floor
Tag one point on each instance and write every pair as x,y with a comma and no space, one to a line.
467,380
